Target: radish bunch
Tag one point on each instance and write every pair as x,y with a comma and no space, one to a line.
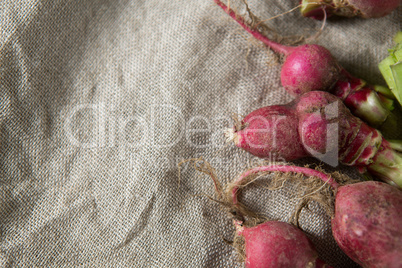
312,67
367,223
317,124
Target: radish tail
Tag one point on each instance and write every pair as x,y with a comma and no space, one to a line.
281,168
278,48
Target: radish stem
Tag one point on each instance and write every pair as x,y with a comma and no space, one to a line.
278,48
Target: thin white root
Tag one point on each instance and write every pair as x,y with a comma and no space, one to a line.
230,135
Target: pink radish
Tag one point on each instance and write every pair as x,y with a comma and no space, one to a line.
367,224
318,9
325,129
312,67
277,244
283,122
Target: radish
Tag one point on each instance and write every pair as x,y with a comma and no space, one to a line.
312,67
367,223
277,244
391,68
318,9
283,122
268,244
325,130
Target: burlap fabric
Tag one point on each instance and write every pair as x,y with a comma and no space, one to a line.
100,101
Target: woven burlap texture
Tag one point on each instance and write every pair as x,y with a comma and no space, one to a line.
101,100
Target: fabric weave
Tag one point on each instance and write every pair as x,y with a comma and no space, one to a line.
101,100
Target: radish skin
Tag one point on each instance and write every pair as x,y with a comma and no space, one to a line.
262,132
311,67
368,223
277,244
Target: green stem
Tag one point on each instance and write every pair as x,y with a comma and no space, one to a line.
315,9
385,91
373,104
396,145
391,68
387,164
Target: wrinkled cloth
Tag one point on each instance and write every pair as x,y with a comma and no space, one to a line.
100,102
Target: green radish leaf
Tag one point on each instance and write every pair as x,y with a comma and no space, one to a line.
397,77
391,68
398,38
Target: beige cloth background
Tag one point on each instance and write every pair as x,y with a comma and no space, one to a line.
100,100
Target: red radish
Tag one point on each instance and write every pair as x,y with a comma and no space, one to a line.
312,67
307,68
283,122
367,224
318,9
326,130
277,244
